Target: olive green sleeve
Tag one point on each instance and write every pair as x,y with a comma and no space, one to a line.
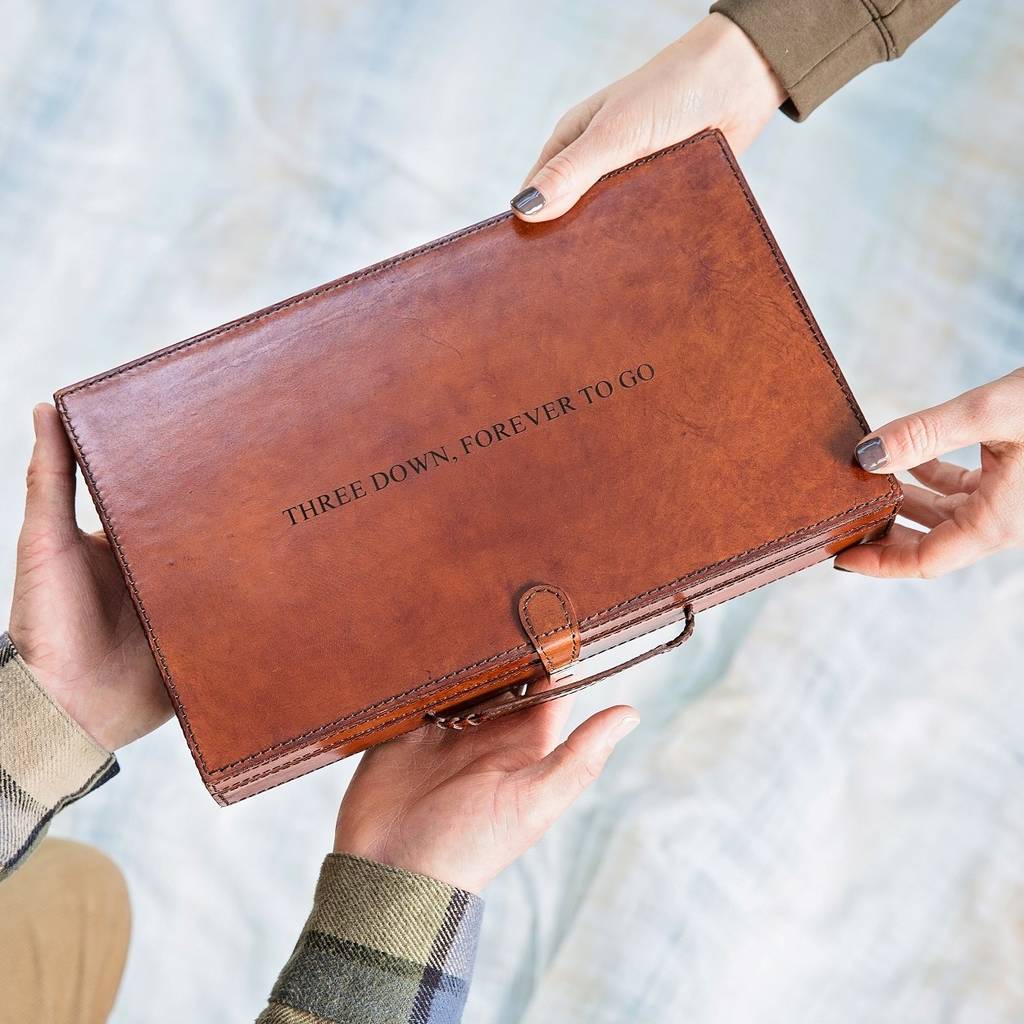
816,46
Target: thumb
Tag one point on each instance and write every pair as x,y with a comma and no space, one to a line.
50,482
555,781
570,172
979,415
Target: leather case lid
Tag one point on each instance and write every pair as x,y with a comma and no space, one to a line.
466,375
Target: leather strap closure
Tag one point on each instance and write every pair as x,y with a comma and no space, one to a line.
483,714
550,622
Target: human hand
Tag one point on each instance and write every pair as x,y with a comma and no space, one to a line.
968,513
72,618
460,807
713,77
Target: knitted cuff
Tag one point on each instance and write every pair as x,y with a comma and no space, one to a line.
816,47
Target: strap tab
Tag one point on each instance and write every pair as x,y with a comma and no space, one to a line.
550,622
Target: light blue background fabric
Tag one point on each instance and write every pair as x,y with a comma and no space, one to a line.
821,817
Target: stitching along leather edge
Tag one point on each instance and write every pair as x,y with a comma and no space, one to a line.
710,135
110,530
379,727
393,721
472,689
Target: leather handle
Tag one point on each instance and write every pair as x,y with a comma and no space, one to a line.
488,714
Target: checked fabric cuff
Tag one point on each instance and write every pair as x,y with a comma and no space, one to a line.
381,945
47,760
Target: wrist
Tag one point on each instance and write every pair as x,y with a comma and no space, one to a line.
420,860
51,684
750,89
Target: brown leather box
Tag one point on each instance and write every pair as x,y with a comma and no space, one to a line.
474,466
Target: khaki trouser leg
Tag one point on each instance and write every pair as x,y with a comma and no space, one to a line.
64,926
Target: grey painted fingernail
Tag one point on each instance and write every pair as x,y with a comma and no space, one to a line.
840,568
871,454
528,201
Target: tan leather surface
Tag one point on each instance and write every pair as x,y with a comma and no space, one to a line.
290,639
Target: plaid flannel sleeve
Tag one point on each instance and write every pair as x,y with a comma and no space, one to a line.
47,760
380,945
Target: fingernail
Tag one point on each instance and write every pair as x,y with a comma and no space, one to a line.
35,420
840,568
871,454
624,728
528,201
